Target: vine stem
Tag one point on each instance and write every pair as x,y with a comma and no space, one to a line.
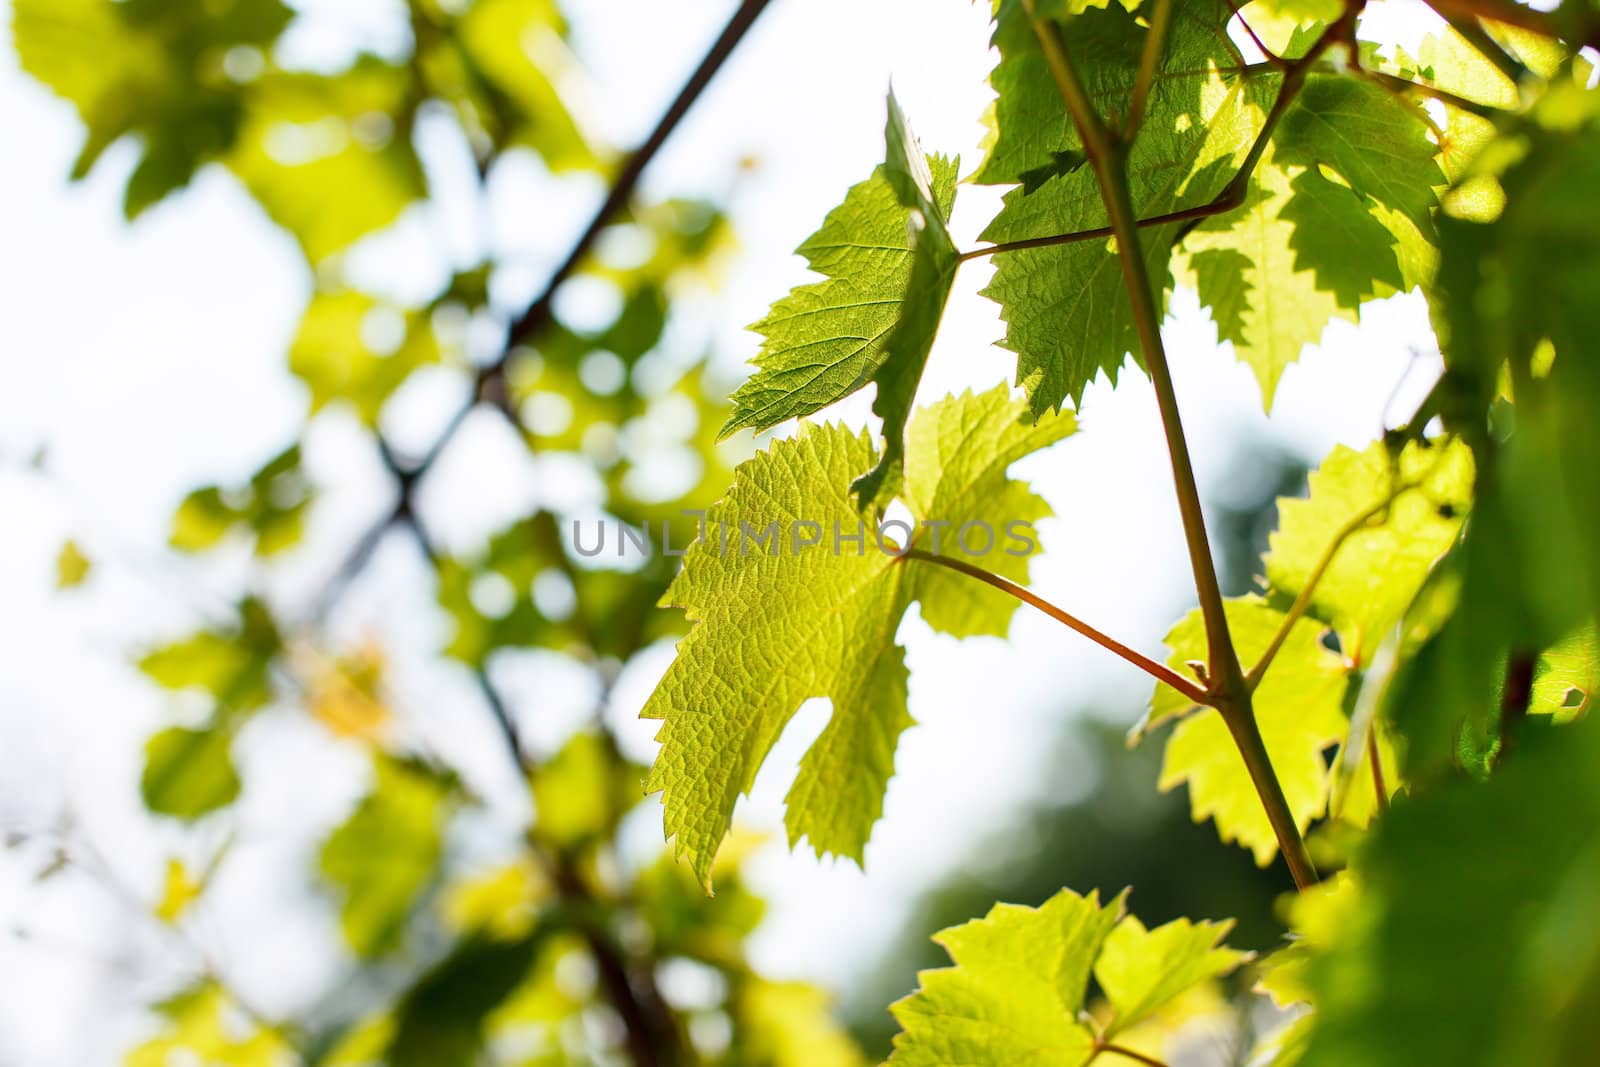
1157,670
1108,155
1302,601
1124,1051
1155,43
1376,759
1226,688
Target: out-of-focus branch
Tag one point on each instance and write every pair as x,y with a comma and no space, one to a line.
490,387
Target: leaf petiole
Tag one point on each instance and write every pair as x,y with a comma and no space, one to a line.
1159,671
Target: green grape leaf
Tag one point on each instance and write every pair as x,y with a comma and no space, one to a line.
1337,238
323,155
889,264
189,772
785,607
1142,970
1298,708
1015,991
382,858
354,348
1398,514
1244,267
1455,66
1504,873
1375,140
1067,315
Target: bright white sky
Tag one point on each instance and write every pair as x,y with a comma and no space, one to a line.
150,359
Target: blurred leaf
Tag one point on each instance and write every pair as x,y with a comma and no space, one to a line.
179,890
501,903
72,566
1564,678
513,560
202,1027
440,1019
515,56
684,921
328,156
189,772
346,694
1517,915
789,1024
156,68
270,509
580,795
386,854
232,664
354,348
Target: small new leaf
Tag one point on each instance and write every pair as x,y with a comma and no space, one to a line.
1016,992
889,264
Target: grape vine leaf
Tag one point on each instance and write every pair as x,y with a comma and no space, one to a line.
1375,140
1244,267
1299,709
1016,992
1505,872
1407,507
1141,970
1336,237
889,263
1067,315
783,610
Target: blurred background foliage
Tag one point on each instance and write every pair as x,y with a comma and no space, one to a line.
564,949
